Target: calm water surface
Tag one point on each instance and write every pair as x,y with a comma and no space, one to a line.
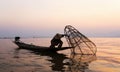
13,59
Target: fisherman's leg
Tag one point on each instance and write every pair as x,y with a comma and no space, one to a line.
52,44
60,44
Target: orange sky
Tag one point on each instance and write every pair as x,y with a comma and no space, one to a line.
47,17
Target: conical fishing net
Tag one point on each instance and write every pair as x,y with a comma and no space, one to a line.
79,42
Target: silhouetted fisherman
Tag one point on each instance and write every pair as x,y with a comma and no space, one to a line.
56,41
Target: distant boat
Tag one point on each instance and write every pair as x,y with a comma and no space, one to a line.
39,48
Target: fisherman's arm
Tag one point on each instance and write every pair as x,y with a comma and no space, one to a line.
65,35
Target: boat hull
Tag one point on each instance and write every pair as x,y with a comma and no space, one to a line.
39,48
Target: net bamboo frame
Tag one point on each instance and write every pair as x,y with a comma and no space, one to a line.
79,42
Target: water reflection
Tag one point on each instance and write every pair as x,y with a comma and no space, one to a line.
56,60
16,53
79,63
62,63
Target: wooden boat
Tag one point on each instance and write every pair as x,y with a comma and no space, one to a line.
38,48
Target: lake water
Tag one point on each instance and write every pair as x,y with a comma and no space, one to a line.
12,59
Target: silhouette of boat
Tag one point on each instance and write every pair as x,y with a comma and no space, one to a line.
39,48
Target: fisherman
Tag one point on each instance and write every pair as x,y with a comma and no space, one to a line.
56,41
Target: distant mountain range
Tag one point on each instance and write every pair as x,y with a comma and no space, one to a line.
51,37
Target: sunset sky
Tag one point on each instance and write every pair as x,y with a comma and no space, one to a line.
47,17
